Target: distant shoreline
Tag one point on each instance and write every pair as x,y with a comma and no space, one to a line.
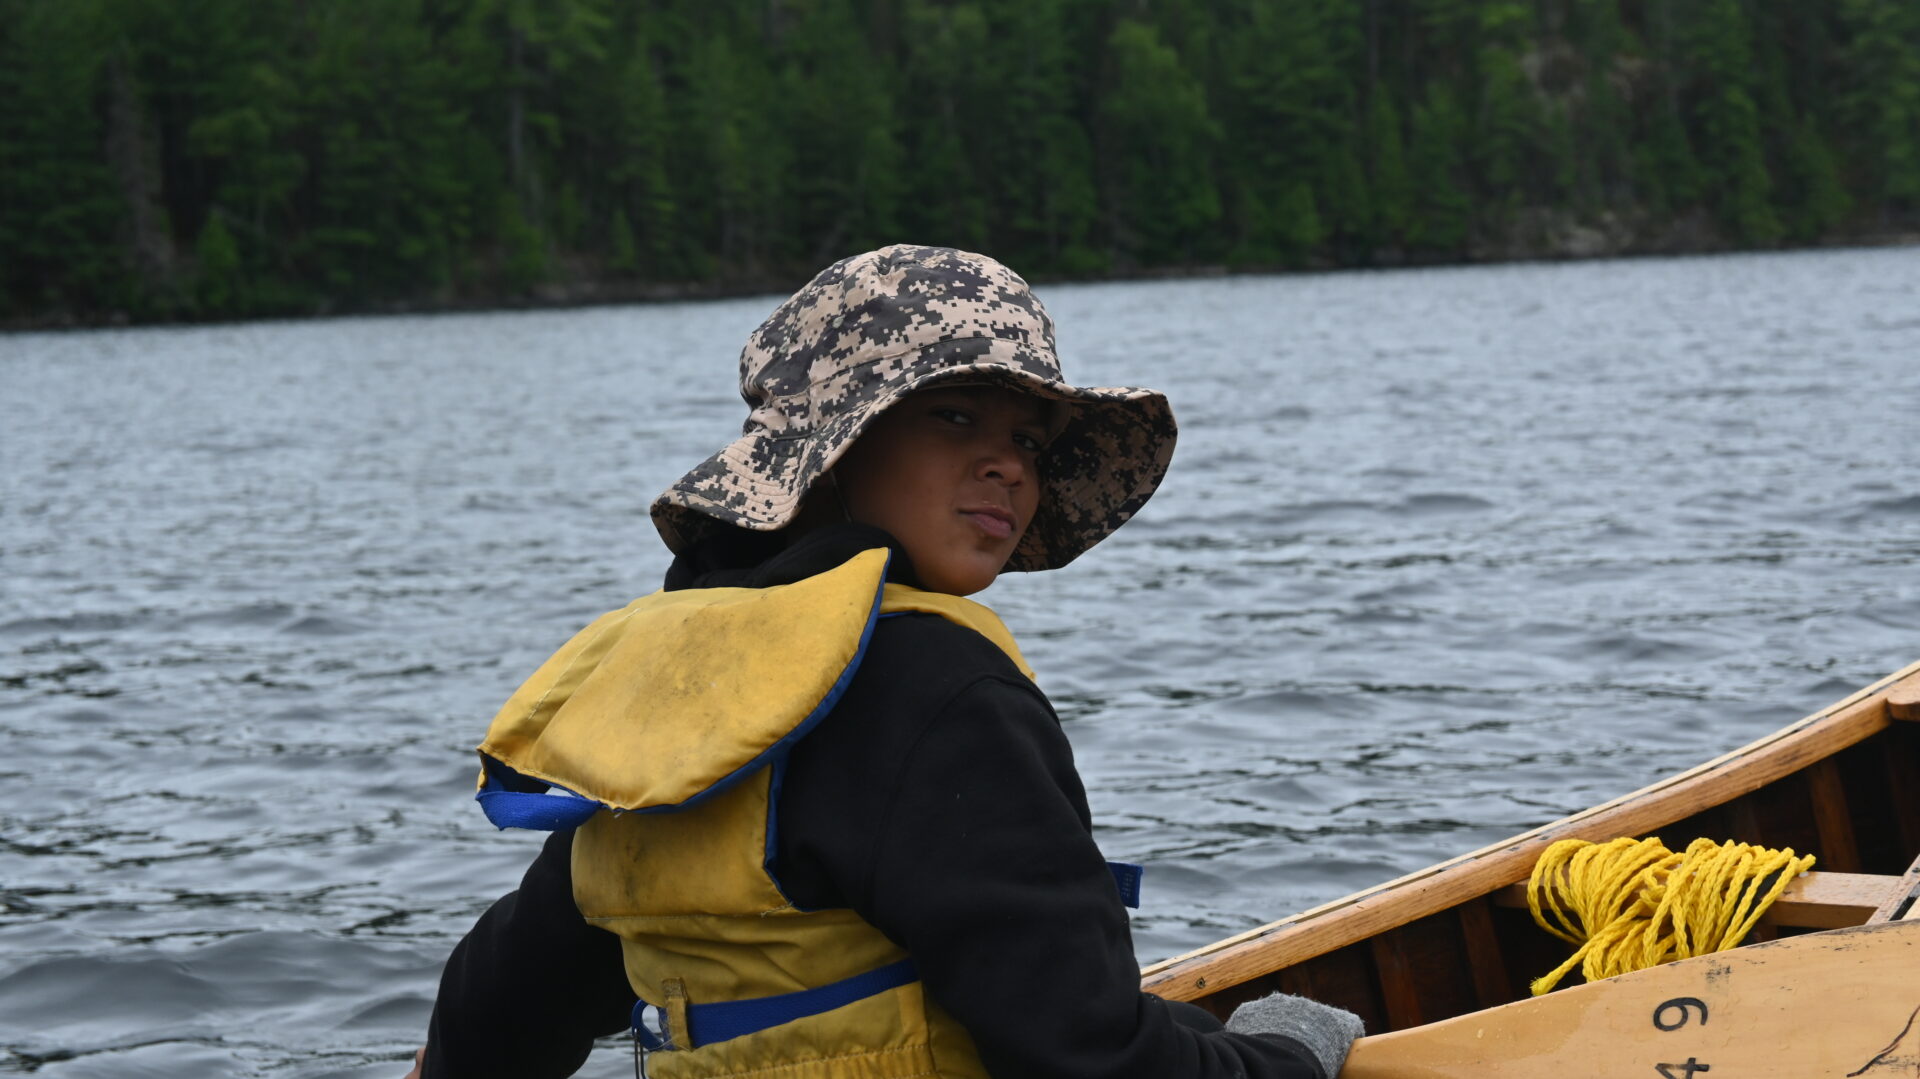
1589,245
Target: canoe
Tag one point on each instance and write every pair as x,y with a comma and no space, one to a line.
1437,963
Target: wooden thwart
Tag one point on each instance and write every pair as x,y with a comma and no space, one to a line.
1818,1006
1812,901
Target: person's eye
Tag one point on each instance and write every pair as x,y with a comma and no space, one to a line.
1030,443
952,415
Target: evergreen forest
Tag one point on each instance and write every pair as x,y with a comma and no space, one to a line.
194,159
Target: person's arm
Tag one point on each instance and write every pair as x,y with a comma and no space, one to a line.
530,987
985,871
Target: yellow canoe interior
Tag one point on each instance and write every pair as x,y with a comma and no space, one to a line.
1843,784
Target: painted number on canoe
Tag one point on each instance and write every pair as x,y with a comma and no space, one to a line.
1672,1015
1678,1006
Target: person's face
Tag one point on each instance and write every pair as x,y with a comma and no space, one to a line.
950,472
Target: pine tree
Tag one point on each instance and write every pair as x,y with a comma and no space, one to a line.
539,45
1348,203
640,142
945,192
1669,176
1818,200
844,170
1160,138
1882,98
395,182
1599,123
64,228
1440,213
1039,171
1285,114
523,249
1392,185
1298,223
1603,166
622,257
1563,152
1066,201
1731,122
740,157
1507,120
220,283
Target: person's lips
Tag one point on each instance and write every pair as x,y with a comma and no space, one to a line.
992,520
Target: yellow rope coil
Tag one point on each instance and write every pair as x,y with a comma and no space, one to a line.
1631,903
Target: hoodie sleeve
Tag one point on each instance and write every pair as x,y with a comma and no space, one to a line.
531,985
985,871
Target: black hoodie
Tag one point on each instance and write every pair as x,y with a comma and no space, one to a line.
940,802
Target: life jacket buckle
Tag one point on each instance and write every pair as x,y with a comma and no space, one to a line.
651,1032
650,1035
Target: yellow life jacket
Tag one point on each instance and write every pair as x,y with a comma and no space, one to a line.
666,725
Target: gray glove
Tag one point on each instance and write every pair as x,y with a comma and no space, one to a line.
1325,1030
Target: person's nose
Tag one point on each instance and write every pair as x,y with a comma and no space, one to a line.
1000,460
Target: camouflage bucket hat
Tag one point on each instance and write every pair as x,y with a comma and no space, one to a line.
870,330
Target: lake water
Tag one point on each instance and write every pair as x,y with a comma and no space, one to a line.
1444,554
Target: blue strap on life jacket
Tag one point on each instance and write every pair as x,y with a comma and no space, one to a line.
726,1020
511,800
1126,877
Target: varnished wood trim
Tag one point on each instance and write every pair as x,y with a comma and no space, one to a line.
1436,888
1903,700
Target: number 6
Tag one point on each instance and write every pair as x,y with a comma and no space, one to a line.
1679,1004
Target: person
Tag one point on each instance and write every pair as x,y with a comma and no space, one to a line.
813,817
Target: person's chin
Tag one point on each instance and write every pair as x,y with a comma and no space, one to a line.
964,577
968,583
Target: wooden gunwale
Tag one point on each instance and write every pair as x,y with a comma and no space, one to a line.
1367,913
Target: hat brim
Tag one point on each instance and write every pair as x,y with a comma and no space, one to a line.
1103,465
